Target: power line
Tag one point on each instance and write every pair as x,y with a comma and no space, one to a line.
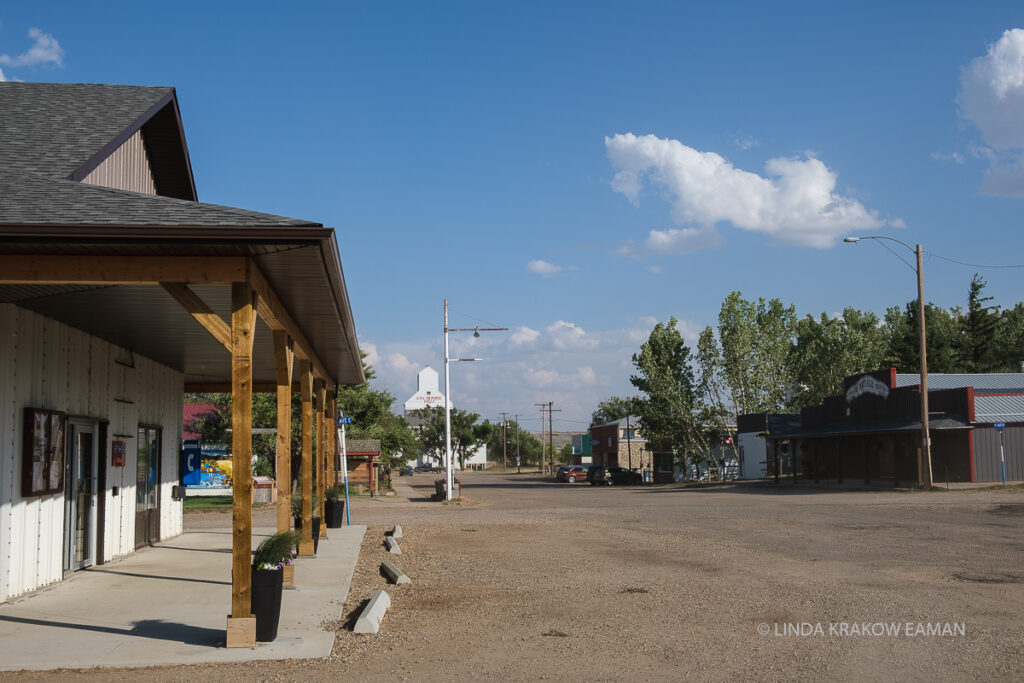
972,265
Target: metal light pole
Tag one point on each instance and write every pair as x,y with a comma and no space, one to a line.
924,478
448,462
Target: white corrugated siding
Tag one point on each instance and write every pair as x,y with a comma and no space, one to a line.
126,169
46,364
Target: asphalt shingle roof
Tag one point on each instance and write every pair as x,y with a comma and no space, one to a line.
31,199
50,130
53,128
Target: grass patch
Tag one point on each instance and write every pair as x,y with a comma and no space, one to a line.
635,589
213,504
469,529
556,634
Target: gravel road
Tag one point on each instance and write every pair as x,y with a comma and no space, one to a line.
529,579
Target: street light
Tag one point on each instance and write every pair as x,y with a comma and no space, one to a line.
926,447
449,475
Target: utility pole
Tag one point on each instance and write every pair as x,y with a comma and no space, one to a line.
504,442
551,437
629,445
518,470
540,465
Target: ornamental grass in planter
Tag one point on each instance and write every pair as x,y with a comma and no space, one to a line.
268,562
334,506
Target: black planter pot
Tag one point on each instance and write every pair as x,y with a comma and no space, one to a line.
335,513
266,602
316,530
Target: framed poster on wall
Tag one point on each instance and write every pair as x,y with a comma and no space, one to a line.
42,461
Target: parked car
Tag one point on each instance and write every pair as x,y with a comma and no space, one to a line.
423,468
593,472
561,471
406,471
611,476
573,473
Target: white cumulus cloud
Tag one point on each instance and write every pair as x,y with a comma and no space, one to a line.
46,50
992,98
523,335
566,335
795,201
543,267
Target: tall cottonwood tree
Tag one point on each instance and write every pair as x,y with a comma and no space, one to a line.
665,377
755,342
828,349
615,408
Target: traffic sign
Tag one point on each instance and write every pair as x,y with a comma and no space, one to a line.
1000,425
345,420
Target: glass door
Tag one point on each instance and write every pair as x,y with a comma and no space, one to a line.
147,487
80,497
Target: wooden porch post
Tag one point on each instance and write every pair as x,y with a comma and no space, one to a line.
332,440
241,626
284,358
321,451
306,382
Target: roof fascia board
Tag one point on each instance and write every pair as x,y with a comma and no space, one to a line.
191,233
332,264
184,144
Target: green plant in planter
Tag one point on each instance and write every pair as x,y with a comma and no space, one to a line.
276,551
334,493
297,505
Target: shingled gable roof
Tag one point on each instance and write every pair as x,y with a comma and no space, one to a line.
64,130
55,134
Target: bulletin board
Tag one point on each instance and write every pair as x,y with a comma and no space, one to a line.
42,462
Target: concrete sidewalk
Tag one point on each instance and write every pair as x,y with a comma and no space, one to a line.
168,605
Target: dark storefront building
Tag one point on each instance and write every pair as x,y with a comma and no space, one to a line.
872,432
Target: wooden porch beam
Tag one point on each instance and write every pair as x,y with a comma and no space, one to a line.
276,316
243,328
198,309
306,379
122,270
224,387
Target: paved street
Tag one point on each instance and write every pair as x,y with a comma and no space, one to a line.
531,579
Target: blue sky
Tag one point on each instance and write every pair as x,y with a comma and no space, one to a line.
578,171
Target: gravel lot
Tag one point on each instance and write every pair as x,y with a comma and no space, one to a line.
529,579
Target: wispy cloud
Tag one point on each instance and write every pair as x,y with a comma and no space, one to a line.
955,157
992,98
45,51
546,268
745,142
795,201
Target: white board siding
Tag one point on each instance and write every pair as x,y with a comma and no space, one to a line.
127,168
46,364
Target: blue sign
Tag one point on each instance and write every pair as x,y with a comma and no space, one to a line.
345,420
1000,425
191,468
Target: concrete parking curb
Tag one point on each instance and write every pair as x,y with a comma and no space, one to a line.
394,574
371,616
392,545
397,531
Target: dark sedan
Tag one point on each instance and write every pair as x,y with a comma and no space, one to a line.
612,476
